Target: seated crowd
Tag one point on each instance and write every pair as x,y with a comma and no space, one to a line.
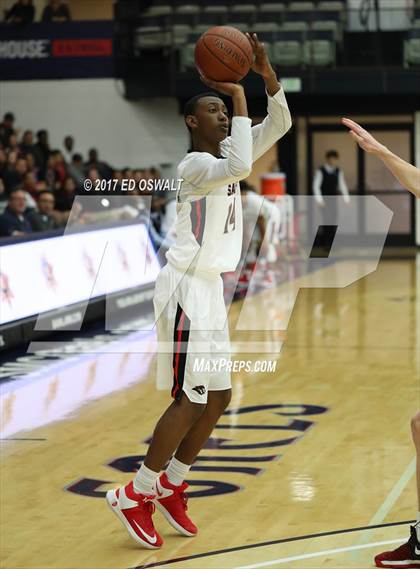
22,12
38,185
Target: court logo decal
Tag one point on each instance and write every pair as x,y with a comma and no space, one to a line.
230,455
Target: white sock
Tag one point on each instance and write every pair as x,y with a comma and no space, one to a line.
144,481
417,526
177,471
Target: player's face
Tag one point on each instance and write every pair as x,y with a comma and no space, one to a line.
212,118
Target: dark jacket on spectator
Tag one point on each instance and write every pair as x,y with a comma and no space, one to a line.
10,222
5,133
49,14
25,13
11,179
40,221
63,200
27,149
41,154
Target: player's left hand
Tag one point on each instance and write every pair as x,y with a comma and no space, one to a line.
261,64
363,138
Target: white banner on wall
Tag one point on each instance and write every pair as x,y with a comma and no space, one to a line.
43,275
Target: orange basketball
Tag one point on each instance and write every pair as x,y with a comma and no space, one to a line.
223,53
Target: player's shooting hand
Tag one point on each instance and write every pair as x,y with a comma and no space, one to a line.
261,64
363,138
224,87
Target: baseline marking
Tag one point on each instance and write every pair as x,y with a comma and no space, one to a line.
316,554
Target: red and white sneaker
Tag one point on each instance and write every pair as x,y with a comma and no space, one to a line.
404,557
171,500
135,511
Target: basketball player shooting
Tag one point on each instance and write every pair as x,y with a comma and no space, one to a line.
406,555
188,300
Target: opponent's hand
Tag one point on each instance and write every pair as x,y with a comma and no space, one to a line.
363,138
224,87
261,64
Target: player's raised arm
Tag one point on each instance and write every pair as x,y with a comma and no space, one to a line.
278,120
208,124
407,174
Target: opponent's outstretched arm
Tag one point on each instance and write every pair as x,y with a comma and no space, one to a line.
407,174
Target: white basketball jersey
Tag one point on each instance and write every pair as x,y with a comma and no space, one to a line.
209,231
209,209
209,220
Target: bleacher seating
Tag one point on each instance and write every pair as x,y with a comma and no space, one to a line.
412,48
295,32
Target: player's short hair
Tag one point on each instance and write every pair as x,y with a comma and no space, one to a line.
331,154
191,105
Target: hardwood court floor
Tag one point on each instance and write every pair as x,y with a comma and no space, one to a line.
322,445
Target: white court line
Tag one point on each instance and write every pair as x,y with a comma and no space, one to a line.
387,504
393,496
316,554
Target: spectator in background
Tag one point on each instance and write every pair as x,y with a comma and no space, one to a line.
154,173
41,219
30,161
105,171
76,170
56,11
91,205
13,144
41,150
21,13
27,144
127,173
50,175
329,179
64,197
13,221
93,175
32,186
6,128
68,147
60,168
117,175
15,171
138,175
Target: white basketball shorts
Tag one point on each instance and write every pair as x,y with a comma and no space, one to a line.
193,354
